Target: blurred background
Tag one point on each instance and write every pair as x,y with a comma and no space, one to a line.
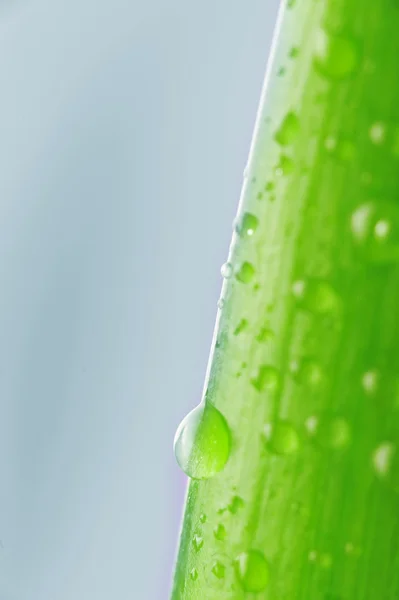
124,132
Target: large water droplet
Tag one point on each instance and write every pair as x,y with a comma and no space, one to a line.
245,273
289,130
315,295
336,56
202,442
281,437
266,378
252,571
375,230
247,225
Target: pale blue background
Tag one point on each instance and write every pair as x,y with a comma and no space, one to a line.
124,132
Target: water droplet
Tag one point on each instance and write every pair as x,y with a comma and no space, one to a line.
291,3
242,326
289,130
312,556
220,303
235,505
226,270
198,542
202,442
330,144
281,72
325,560
252,571
202,518
336,56
269,187
330,433
285,166
307,372
311,425
370,381
281,438
375,231
220,532
294,52
315,295
218,569
266,378
382,459
377,133
247,226
245,273
264,335
194,574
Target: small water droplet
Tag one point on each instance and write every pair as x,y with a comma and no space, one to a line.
220,303
269,187
291,3
330,433
312,556
198,542
294,52
288,131
194,574
375,231
266,378
315,295
202,442
308,372
218,569
285,166
245,273
281,72
281,438
242,326
382,459
336,56
325,560
235,505
370,381
226,270
377,133
220,532
247,225
265,335
311,424
202,518
252,571
330,144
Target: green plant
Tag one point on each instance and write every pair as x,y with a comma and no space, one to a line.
292,453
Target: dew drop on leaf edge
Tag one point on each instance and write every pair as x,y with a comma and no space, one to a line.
202,442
